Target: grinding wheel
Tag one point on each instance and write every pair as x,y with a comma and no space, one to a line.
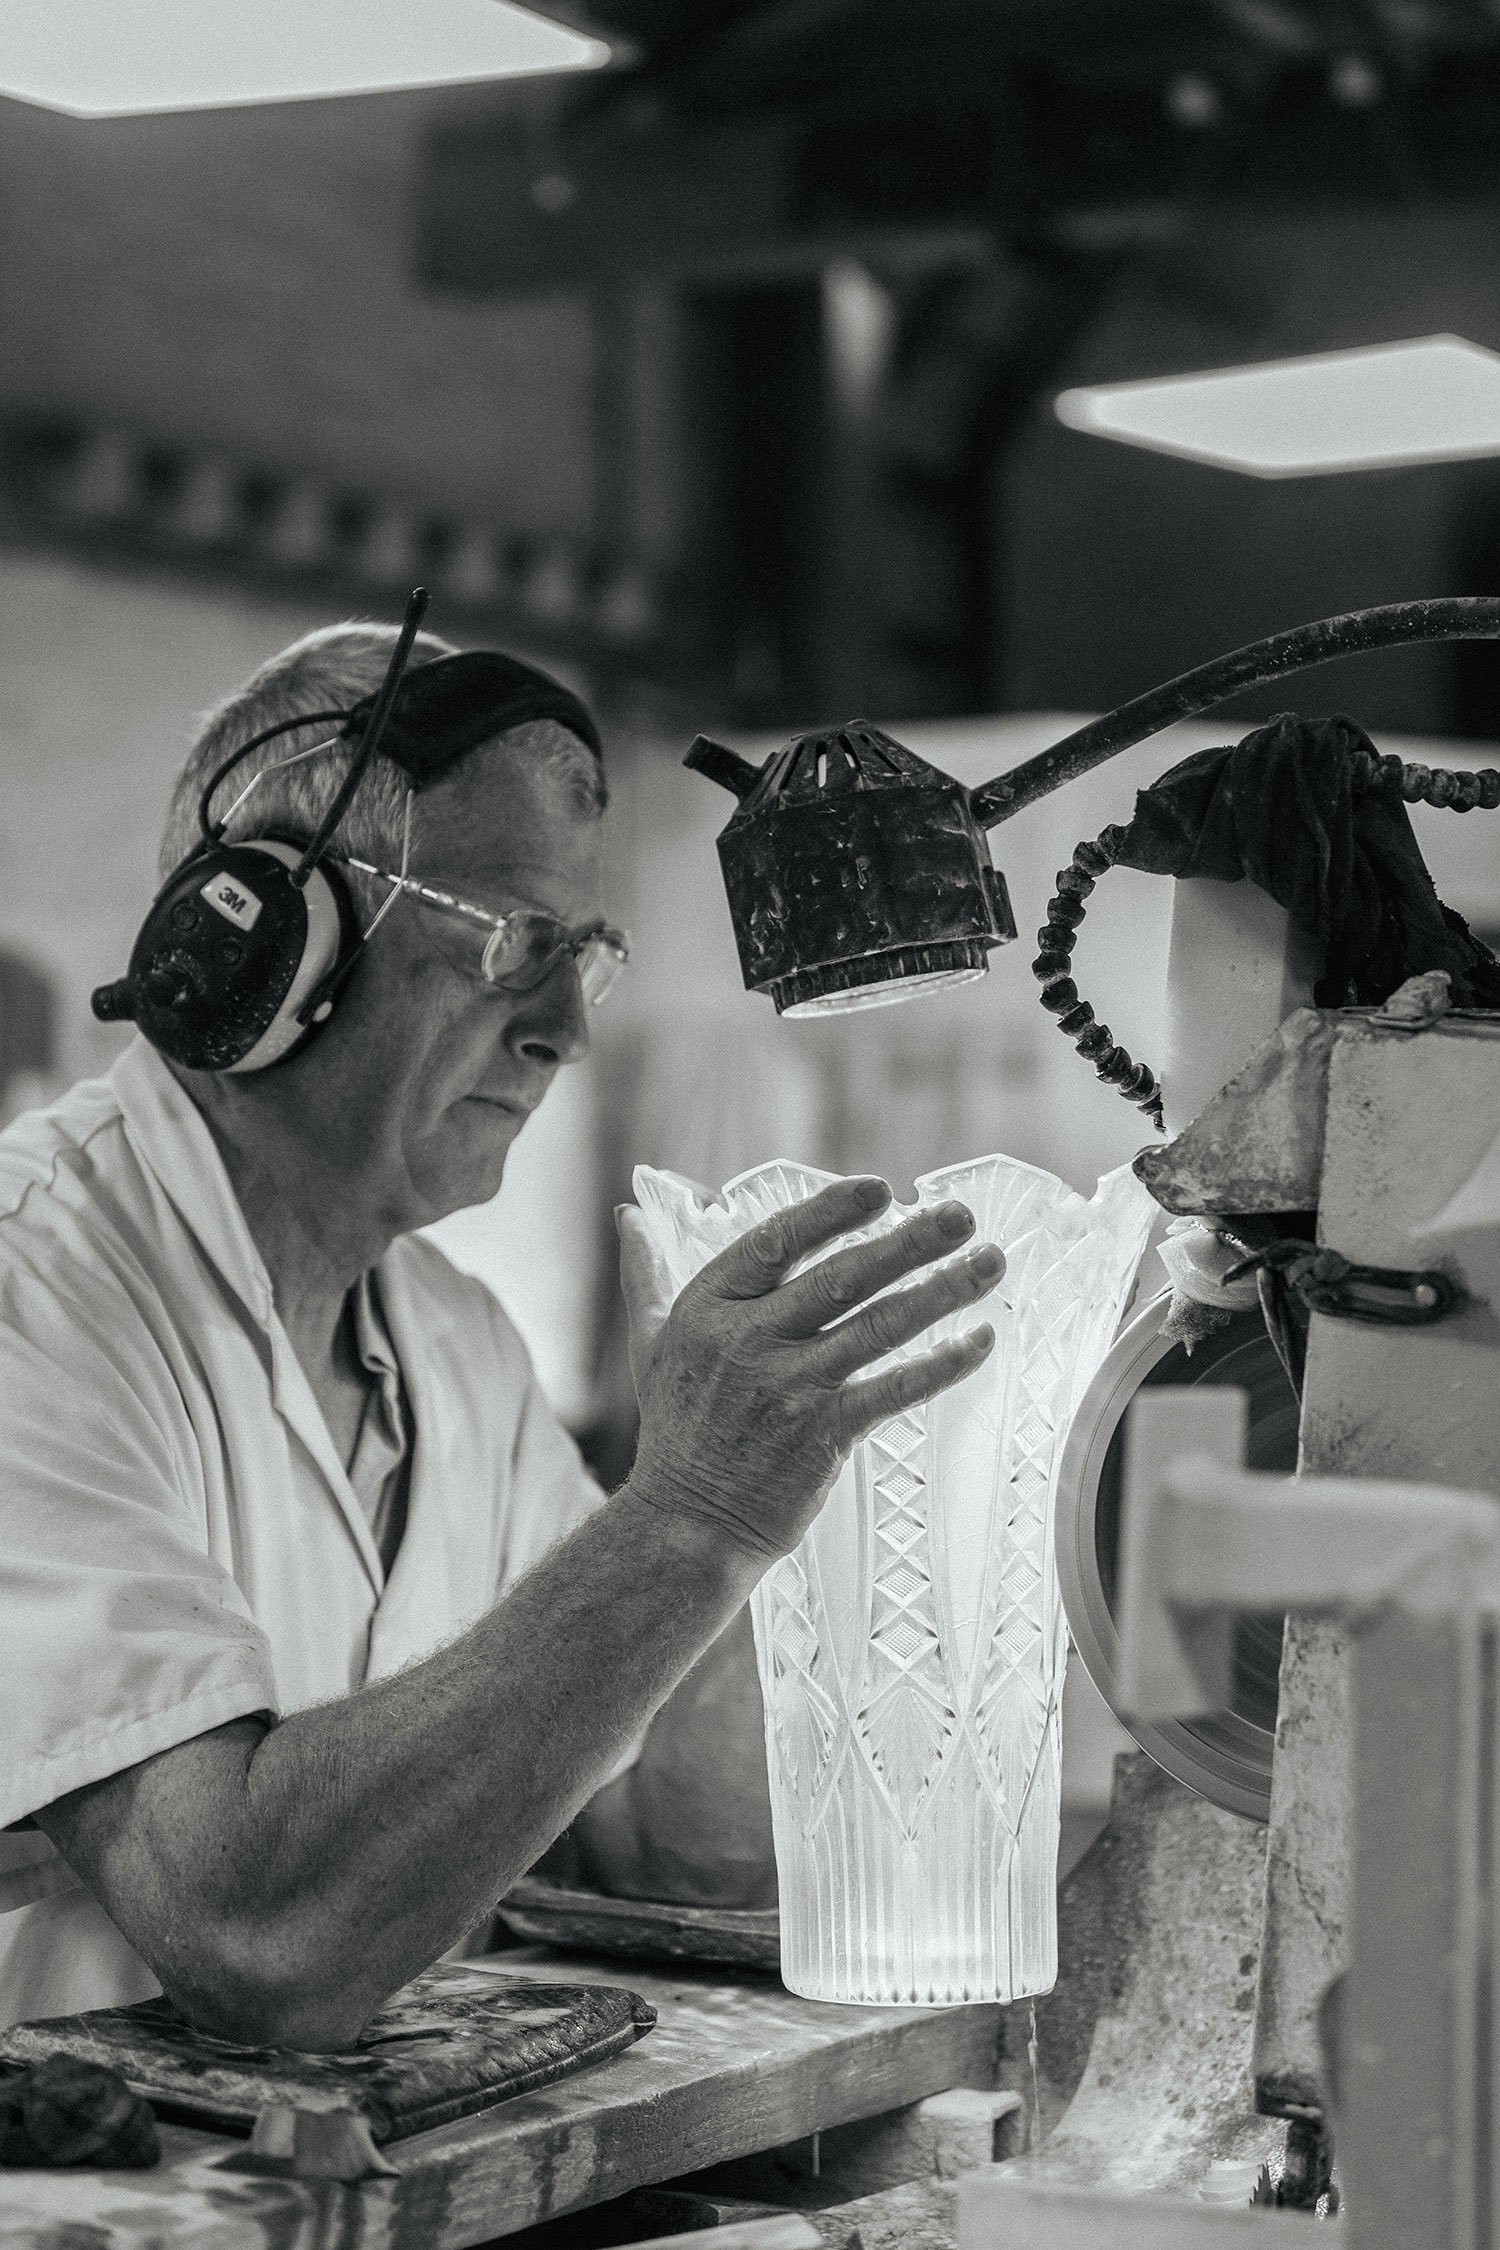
1227,1756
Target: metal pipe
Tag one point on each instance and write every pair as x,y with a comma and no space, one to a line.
1474,617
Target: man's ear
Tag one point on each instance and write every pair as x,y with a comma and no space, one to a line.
646,1286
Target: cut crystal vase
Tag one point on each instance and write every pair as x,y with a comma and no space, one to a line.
912,1648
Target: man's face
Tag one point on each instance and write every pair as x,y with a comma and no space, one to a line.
434,1071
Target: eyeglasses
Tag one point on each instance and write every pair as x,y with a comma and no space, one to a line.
523,948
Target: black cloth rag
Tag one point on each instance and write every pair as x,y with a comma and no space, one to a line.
65,2112
1280,809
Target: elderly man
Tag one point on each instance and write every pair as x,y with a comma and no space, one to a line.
316,1633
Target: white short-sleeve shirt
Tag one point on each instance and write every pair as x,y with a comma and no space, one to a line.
179,1542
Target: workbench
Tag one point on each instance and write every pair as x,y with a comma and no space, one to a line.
855,2122
734,2067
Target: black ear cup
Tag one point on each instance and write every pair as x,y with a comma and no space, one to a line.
229,956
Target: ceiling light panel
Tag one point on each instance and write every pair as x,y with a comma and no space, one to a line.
116,58
1434,398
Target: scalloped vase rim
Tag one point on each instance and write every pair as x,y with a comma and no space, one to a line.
721,1196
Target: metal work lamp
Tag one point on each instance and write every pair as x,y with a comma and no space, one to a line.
858,874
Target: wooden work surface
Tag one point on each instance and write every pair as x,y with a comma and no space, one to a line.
731,2068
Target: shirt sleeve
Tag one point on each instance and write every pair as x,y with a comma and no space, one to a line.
121,1636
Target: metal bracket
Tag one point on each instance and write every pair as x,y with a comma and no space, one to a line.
1327,1282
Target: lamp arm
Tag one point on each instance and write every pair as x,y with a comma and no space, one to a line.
1474,617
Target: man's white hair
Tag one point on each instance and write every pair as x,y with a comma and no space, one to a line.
330,670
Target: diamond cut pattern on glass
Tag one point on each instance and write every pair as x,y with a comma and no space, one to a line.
912,1649
802,1718
906,1716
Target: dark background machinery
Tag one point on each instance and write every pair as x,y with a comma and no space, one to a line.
889,229
789,290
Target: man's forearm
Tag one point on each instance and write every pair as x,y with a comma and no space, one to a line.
288,1890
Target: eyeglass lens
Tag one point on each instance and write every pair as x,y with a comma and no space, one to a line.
523,952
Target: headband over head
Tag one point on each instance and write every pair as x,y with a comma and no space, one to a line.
453,703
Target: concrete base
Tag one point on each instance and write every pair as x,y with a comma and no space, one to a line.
1142,2075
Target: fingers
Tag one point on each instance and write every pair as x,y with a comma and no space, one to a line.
903,1315
897,1389
836,1284
761,1258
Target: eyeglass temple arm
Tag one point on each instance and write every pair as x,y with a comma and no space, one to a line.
323,994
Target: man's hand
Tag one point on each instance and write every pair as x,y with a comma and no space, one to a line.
754,1388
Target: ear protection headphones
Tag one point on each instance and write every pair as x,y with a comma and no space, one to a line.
247,945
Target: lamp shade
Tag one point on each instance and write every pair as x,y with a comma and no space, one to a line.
857,873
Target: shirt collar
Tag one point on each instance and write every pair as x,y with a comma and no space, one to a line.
372,1337
171,1138
169,1134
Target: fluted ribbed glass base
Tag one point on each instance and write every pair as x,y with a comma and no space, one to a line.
912,1648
